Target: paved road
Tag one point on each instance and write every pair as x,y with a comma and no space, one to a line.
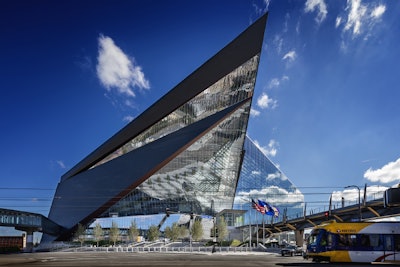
101,259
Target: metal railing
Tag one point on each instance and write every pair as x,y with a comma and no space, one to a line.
165,249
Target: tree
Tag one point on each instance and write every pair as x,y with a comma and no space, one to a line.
114,232
80,234
183,231
197,230
222,228
172,232
133,231
98,233
153,233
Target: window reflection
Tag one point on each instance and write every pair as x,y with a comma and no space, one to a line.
205,172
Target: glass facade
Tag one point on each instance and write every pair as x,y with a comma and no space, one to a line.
21,220
202,179
182,153
261,179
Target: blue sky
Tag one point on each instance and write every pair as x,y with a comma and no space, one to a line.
73,73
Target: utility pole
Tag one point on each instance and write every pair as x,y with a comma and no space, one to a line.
359,201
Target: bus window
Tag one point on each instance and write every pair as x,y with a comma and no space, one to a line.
375,242
397,242
342,241
388,242
323,239
330,240
353,240
346,241
365,242
312,239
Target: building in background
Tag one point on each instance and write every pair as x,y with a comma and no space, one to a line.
10,244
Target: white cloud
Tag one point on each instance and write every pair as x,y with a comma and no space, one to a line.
274,195
276,82
61,164
375,191
266,3
272,176
319,6
387,174
270,150
254,112
286,23
278,42
262,9
265,102
378,11
298,27
356,16
129,103
255,172
362,14
116,70
263,149
351,194
128,118
359,20
338,22
290,56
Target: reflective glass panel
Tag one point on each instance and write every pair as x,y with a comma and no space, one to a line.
202,179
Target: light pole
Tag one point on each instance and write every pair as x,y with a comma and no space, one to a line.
359,201
190,229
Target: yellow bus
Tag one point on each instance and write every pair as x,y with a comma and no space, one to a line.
354,242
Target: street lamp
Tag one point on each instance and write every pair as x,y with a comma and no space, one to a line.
359,201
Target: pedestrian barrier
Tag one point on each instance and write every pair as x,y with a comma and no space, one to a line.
165,249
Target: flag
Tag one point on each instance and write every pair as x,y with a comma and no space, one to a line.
266,207
257,207
276,211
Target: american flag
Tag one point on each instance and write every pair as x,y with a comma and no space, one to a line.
257,207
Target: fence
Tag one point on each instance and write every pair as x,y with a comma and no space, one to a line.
167,249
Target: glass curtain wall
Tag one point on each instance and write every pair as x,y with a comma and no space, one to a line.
261,179
202,179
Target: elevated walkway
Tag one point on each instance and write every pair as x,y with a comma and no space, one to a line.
28,222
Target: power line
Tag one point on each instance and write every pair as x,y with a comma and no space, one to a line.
296,187
26,188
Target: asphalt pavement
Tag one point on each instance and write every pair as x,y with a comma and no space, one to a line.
101,259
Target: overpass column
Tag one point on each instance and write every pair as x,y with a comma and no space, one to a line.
298,235
29,241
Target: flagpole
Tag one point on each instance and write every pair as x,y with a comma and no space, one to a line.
257,229
250,228
263,228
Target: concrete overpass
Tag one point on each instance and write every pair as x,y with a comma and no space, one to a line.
374,209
